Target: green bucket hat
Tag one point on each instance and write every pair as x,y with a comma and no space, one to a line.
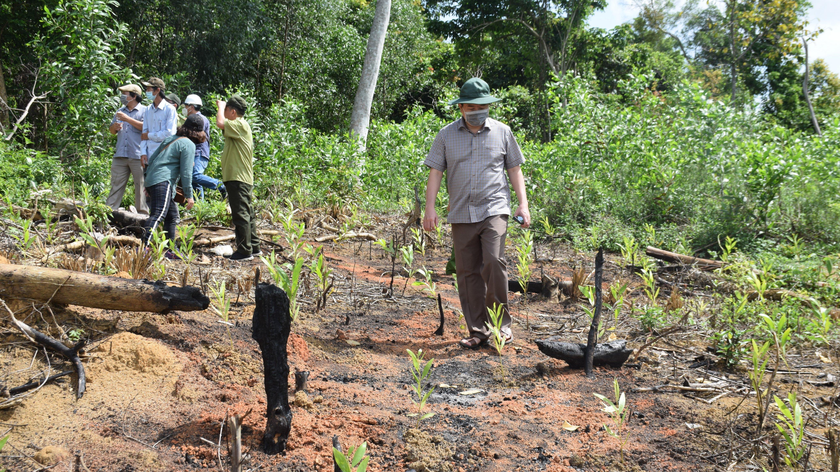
475,91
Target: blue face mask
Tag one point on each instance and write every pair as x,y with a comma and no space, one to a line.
150,95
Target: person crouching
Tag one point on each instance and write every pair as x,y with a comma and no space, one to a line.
173,159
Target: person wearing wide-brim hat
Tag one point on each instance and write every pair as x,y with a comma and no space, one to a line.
128,125
475,151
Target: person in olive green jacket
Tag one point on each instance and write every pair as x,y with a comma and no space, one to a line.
171,161
238,175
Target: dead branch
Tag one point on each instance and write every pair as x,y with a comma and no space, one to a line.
33,100
702,264
347,235
71,354
234,424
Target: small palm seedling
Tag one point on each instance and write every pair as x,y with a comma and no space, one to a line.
497,314
618,411
630,250
792,428
420,372
27,236
426,282
524,257
650,288
356,459
221,305
186,240
419,241
323,272
727,248
290,283
407,253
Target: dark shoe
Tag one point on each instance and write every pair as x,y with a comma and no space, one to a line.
472,343
172,256
238,256
223,191
257,253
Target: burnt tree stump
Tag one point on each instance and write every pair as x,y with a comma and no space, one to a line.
612,353
271,327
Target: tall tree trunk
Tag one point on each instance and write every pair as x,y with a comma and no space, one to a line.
285,49
4,116
733,69
807,93
360,117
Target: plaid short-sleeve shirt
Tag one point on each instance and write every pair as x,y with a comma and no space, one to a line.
475,167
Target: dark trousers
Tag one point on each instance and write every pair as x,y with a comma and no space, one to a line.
162,211
482,272
240,196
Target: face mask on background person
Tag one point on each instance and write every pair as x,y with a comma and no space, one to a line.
123,99
150,95
477,117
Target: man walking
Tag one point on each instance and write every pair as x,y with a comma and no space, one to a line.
127,125
192,105
159,121
475,151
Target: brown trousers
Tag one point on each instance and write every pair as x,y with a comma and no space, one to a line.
482,272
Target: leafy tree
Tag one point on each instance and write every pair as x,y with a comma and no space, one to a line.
79,53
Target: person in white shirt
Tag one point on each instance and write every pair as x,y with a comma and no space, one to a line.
160,121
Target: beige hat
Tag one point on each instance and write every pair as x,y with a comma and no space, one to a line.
131,88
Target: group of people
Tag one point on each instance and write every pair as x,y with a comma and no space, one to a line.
474,151
160,146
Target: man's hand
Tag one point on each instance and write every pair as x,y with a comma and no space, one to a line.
144,136
430,220
121,116
189,203
524,213
220,104
144,160
115,128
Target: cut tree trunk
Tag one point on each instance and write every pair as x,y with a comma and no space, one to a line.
271,327
547,287
612,353
702,264
127,219
68,287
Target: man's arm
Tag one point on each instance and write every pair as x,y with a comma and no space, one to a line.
144,144
430,218
517,181
220,114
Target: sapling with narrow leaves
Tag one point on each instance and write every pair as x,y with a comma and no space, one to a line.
497,314
618,411
290,283
356,459
420,372
792,428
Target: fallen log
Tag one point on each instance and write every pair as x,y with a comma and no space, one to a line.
69,353
125,219
271,327
229,237
612,353
110,240
68,287
702,264
348,235
547,287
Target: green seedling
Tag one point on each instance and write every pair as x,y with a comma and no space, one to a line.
727,248
221,305
524,257
426,282
630,250
186,240
420,372
419,241
355,460
323,272
497,314
290,283
792,429
650,288
618,412
407,253
588,292
27,237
